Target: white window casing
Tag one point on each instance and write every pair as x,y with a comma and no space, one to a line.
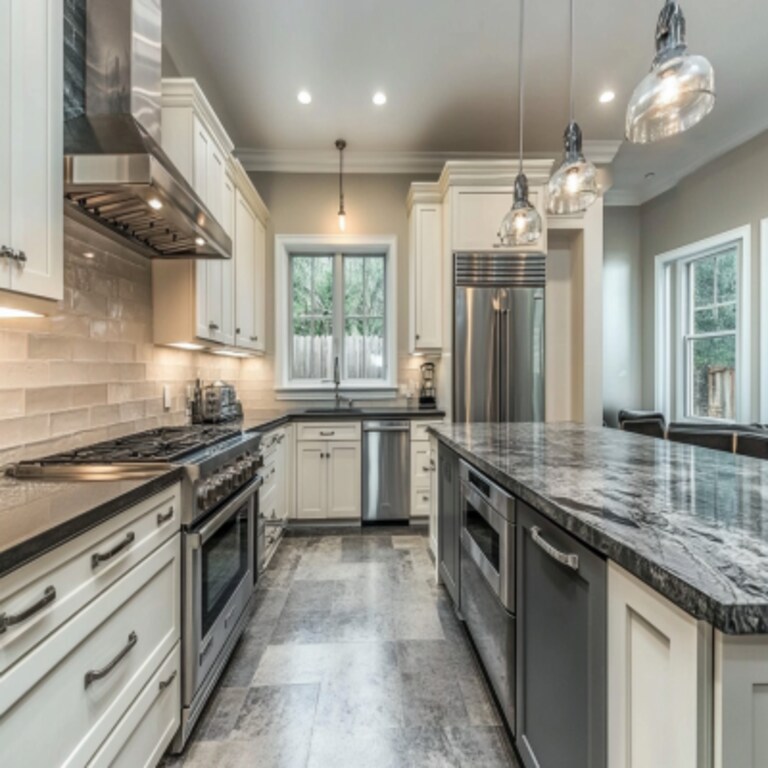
671,305
348,245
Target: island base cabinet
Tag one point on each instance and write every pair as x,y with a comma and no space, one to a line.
741,701
659,668
561,654
449,522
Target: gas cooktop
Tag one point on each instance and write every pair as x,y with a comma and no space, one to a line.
139,454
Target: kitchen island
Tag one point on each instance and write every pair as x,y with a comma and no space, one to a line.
683,533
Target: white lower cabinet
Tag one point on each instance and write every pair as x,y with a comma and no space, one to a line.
344,480
659,680
741,701
62,700
142,736
328,472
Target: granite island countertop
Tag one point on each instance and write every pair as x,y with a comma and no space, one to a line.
690,522
39,515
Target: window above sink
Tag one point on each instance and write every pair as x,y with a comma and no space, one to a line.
336,297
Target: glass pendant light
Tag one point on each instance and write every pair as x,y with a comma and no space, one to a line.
522,223
678,92
573,186
341,145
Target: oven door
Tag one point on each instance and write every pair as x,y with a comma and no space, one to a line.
489,540
218,582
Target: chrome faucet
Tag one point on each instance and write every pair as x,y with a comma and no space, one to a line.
338,397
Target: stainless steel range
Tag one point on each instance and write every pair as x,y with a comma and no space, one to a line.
219,532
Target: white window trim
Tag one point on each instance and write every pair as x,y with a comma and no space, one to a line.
672,404
285,245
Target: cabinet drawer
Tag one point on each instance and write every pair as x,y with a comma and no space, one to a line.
142,736
270,443
419,429
59,703
421,499
348,430
75,576
268,503
422,465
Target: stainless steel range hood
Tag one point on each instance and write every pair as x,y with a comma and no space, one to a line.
115,172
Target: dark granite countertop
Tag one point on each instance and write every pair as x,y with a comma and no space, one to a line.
359,414
690,522
39,515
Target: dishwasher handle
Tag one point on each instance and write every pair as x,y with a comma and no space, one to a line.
386,426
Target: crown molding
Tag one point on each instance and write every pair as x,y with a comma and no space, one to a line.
327,161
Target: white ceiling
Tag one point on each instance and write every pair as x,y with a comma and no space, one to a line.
449,70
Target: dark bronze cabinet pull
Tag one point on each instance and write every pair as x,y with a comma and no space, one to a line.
8,620
165,683
100,557
96,674
164,518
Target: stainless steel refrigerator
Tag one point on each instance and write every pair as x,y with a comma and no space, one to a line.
498,372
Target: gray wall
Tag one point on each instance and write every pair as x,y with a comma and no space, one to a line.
728,193
622,305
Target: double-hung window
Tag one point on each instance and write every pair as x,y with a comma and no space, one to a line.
703,330
338,317
710,335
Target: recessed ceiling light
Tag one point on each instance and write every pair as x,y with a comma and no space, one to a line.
199,241
304,97
89,254
379,98
155,203
606,97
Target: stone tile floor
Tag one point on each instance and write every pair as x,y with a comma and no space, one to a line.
353,658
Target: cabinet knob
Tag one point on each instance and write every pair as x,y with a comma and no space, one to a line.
213,326
254,338
237,331
417,337
6,252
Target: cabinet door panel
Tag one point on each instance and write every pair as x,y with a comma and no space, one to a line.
259,280
5,140
427,273
225,279
448,529
36,131
344,476
312,473
658,657
561,655
420,467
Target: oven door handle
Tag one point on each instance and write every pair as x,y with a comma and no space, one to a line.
206,531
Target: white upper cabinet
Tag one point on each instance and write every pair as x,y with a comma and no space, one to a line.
478,212
211,300
31,147
426,260
250,243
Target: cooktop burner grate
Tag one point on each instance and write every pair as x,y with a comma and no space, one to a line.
167,444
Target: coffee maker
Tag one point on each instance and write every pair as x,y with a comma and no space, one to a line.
427,393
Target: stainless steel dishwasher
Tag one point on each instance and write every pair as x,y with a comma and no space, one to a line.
386,471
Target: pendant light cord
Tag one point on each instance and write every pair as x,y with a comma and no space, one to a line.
341,176
521,81
571,46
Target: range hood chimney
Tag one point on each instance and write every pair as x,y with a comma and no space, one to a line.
115,172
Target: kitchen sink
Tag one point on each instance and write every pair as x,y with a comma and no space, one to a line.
331,411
